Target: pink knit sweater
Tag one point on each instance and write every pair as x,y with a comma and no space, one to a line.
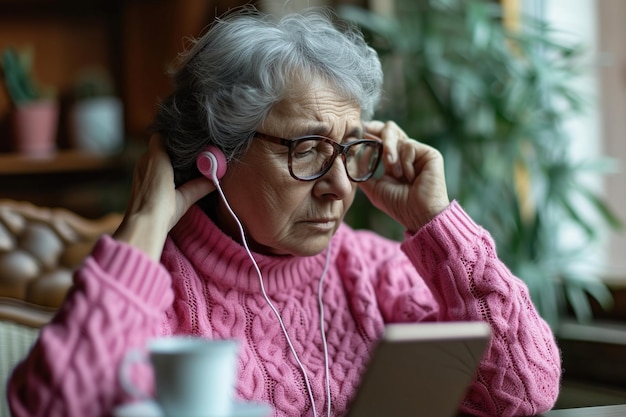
207,285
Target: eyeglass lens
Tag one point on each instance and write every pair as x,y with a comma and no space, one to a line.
311,157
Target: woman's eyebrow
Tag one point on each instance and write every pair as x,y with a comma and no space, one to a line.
318,129
324,130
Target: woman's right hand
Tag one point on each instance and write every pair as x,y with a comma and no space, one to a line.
155,204
413,190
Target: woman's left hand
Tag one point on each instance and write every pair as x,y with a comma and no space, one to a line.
413,187
155,204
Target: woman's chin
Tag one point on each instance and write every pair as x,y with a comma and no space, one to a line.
313,245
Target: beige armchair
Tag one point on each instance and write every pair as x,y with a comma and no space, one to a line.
40,248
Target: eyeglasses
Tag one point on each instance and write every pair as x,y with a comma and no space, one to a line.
310,157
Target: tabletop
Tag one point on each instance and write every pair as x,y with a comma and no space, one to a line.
603,411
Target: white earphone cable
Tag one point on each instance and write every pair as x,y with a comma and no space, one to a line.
323,331
277,314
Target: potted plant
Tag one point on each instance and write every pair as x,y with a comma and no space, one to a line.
96,117
493,102
35,110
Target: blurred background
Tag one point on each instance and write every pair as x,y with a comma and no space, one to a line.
526,99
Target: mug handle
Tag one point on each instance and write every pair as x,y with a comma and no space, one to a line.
132,357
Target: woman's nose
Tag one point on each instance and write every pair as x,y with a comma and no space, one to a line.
335,184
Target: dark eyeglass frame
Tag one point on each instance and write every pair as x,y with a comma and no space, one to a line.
338,149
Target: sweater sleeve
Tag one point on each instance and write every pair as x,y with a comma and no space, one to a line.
520,372
116,303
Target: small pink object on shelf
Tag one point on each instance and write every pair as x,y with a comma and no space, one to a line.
35,127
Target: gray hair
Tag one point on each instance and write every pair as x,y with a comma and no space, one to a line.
232,76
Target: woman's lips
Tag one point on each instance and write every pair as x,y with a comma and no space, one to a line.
322,224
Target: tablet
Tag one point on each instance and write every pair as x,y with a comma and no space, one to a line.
421,369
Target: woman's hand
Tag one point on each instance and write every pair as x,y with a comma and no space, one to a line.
413,188
156,204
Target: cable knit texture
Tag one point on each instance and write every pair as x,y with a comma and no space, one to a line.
207,285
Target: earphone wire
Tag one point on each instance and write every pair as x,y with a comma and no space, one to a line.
277,314
322,329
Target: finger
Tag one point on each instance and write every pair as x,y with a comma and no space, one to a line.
374,127
391,138
193,190
407,154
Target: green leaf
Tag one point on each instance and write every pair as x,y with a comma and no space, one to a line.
607,214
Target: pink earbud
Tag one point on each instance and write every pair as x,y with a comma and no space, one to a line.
212,163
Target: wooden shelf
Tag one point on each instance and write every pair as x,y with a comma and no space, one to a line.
88,184
58,162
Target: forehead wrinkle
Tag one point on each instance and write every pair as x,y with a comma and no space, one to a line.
316,109
341,107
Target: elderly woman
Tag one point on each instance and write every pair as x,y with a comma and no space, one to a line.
289,103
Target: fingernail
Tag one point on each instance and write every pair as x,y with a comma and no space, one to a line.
397,170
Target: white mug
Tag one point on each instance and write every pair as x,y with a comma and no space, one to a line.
195,377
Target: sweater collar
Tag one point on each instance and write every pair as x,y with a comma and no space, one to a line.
218,257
